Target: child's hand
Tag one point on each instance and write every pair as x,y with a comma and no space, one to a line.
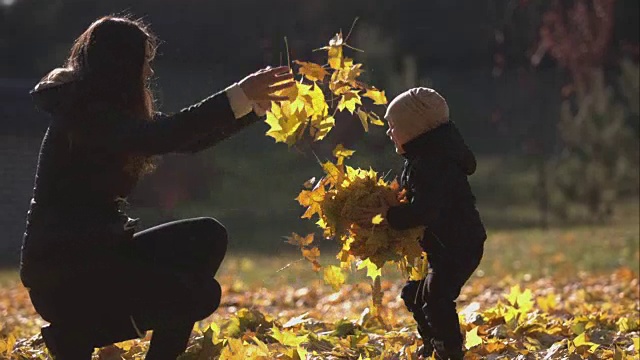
391,199
366,216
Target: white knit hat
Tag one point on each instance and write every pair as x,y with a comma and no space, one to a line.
417,111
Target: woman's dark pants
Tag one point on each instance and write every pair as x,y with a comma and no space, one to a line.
162,279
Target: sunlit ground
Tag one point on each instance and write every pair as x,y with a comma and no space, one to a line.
577,298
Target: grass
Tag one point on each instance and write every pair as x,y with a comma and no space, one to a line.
524,252
521,253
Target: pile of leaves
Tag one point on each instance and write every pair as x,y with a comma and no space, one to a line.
338,200
587,317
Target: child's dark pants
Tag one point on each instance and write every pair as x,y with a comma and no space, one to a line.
162,279
432,300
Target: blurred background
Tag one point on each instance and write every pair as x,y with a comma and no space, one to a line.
545,92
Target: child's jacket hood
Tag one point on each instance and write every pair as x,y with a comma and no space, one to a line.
445,141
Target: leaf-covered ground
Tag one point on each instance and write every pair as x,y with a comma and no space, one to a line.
563,294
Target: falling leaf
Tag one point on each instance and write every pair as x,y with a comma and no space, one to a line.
333,276
298,240
340,151
311,254
377,220
372,270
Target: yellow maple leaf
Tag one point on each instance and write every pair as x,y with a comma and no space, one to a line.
349,101
372,270
126,345
472,339
311,254
235,350
582,340
341,151
547,303
335,57
334,173
349,72
287,338
263,349
311,71
334,276
291,93
522,300
284,124
298,240
339,87
495,346
376,95
311,199
363,119
377,220
335,51
320,127
375,119
317,105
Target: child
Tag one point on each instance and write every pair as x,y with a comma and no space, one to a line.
437,163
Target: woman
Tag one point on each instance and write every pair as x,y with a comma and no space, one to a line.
89,274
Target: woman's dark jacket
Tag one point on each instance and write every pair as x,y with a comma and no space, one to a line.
435,172
81,176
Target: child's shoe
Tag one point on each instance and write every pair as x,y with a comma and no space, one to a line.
426,349
442,353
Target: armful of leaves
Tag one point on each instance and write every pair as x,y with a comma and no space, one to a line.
424,207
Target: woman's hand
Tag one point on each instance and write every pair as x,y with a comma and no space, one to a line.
261,85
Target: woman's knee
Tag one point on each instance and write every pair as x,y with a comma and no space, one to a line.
213,232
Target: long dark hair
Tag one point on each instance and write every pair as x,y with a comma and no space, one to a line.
109,60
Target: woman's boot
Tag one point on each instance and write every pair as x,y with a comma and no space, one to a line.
66,345
167,343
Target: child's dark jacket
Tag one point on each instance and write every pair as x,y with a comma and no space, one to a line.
435,175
